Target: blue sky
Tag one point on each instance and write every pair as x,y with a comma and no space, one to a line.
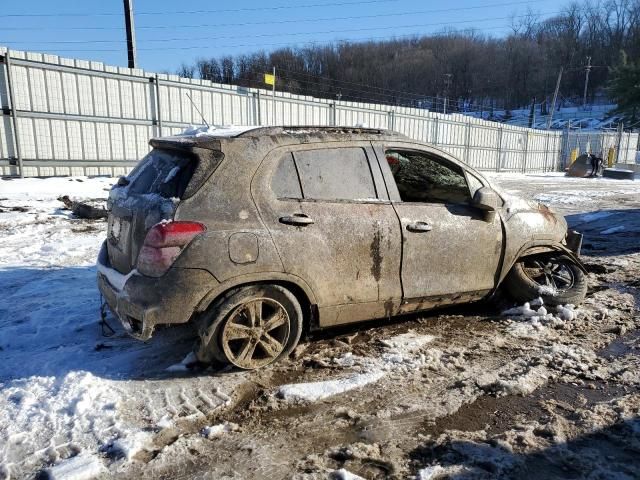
170,32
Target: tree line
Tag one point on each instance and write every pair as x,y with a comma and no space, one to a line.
474,71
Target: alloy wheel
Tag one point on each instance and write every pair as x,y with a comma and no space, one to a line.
255,333
552,273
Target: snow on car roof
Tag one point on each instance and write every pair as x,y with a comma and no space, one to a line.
215,130
239,130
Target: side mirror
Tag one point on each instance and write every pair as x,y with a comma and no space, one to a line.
487,200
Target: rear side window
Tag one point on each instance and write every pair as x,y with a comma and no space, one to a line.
285,182
163,172
335,174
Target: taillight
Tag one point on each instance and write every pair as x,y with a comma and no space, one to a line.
163,244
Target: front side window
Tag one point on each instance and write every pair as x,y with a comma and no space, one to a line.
427,178
335,174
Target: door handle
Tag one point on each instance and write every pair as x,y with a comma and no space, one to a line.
297,219
419,227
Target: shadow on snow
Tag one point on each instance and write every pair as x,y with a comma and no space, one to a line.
608,232
49,326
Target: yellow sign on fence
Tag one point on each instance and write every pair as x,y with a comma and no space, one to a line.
269,79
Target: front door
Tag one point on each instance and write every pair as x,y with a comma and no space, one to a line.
449,249
334,227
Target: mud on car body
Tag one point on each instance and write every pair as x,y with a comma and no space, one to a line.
256,234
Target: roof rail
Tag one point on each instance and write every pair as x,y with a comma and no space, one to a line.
310,129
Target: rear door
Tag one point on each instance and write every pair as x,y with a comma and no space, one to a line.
449,250
328,211
148,195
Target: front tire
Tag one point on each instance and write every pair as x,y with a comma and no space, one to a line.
556,279
251,327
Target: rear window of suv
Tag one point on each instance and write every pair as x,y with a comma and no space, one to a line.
162,172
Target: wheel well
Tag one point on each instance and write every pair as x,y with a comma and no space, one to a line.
547,249
309,310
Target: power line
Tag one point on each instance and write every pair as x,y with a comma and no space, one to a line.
280,22
399,95
275,44
188,12
322,32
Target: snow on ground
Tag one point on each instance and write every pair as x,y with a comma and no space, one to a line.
79,404
401,353
562,192
67,391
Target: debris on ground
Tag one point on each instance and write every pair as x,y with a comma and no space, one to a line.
83,210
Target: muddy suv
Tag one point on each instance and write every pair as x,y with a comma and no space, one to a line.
258,234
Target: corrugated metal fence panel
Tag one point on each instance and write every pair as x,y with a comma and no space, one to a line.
83,117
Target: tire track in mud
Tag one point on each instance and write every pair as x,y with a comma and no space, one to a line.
276,438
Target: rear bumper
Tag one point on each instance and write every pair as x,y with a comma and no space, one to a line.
141,302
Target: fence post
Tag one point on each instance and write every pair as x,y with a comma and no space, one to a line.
546,152
332,114
435,128
256,98
499,150
14,113
619,141
526,153
467,143
154,106
391,119
158,105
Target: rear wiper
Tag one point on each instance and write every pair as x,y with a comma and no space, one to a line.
123,181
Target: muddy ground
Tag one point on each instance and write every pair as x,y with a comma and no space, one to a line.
489,396
466,392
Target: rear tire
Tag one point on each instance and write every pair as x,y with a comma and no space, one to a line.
251,327
554,278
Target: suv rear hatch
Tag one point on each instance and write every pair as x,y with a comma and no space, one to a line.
150,194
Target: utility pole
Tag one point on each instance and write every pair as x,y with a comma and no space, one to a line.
555,99
131,34
586,83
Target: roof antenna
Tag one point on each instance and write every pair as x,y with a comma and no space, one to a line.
197,109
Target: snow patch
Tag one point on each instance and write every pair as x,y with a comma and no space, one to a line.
400,356
547,290
215,130
429,473
183,366
616,229
313,391
591,217
81,467
115,278
128,446
532,322
343,474
407,342
217,430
